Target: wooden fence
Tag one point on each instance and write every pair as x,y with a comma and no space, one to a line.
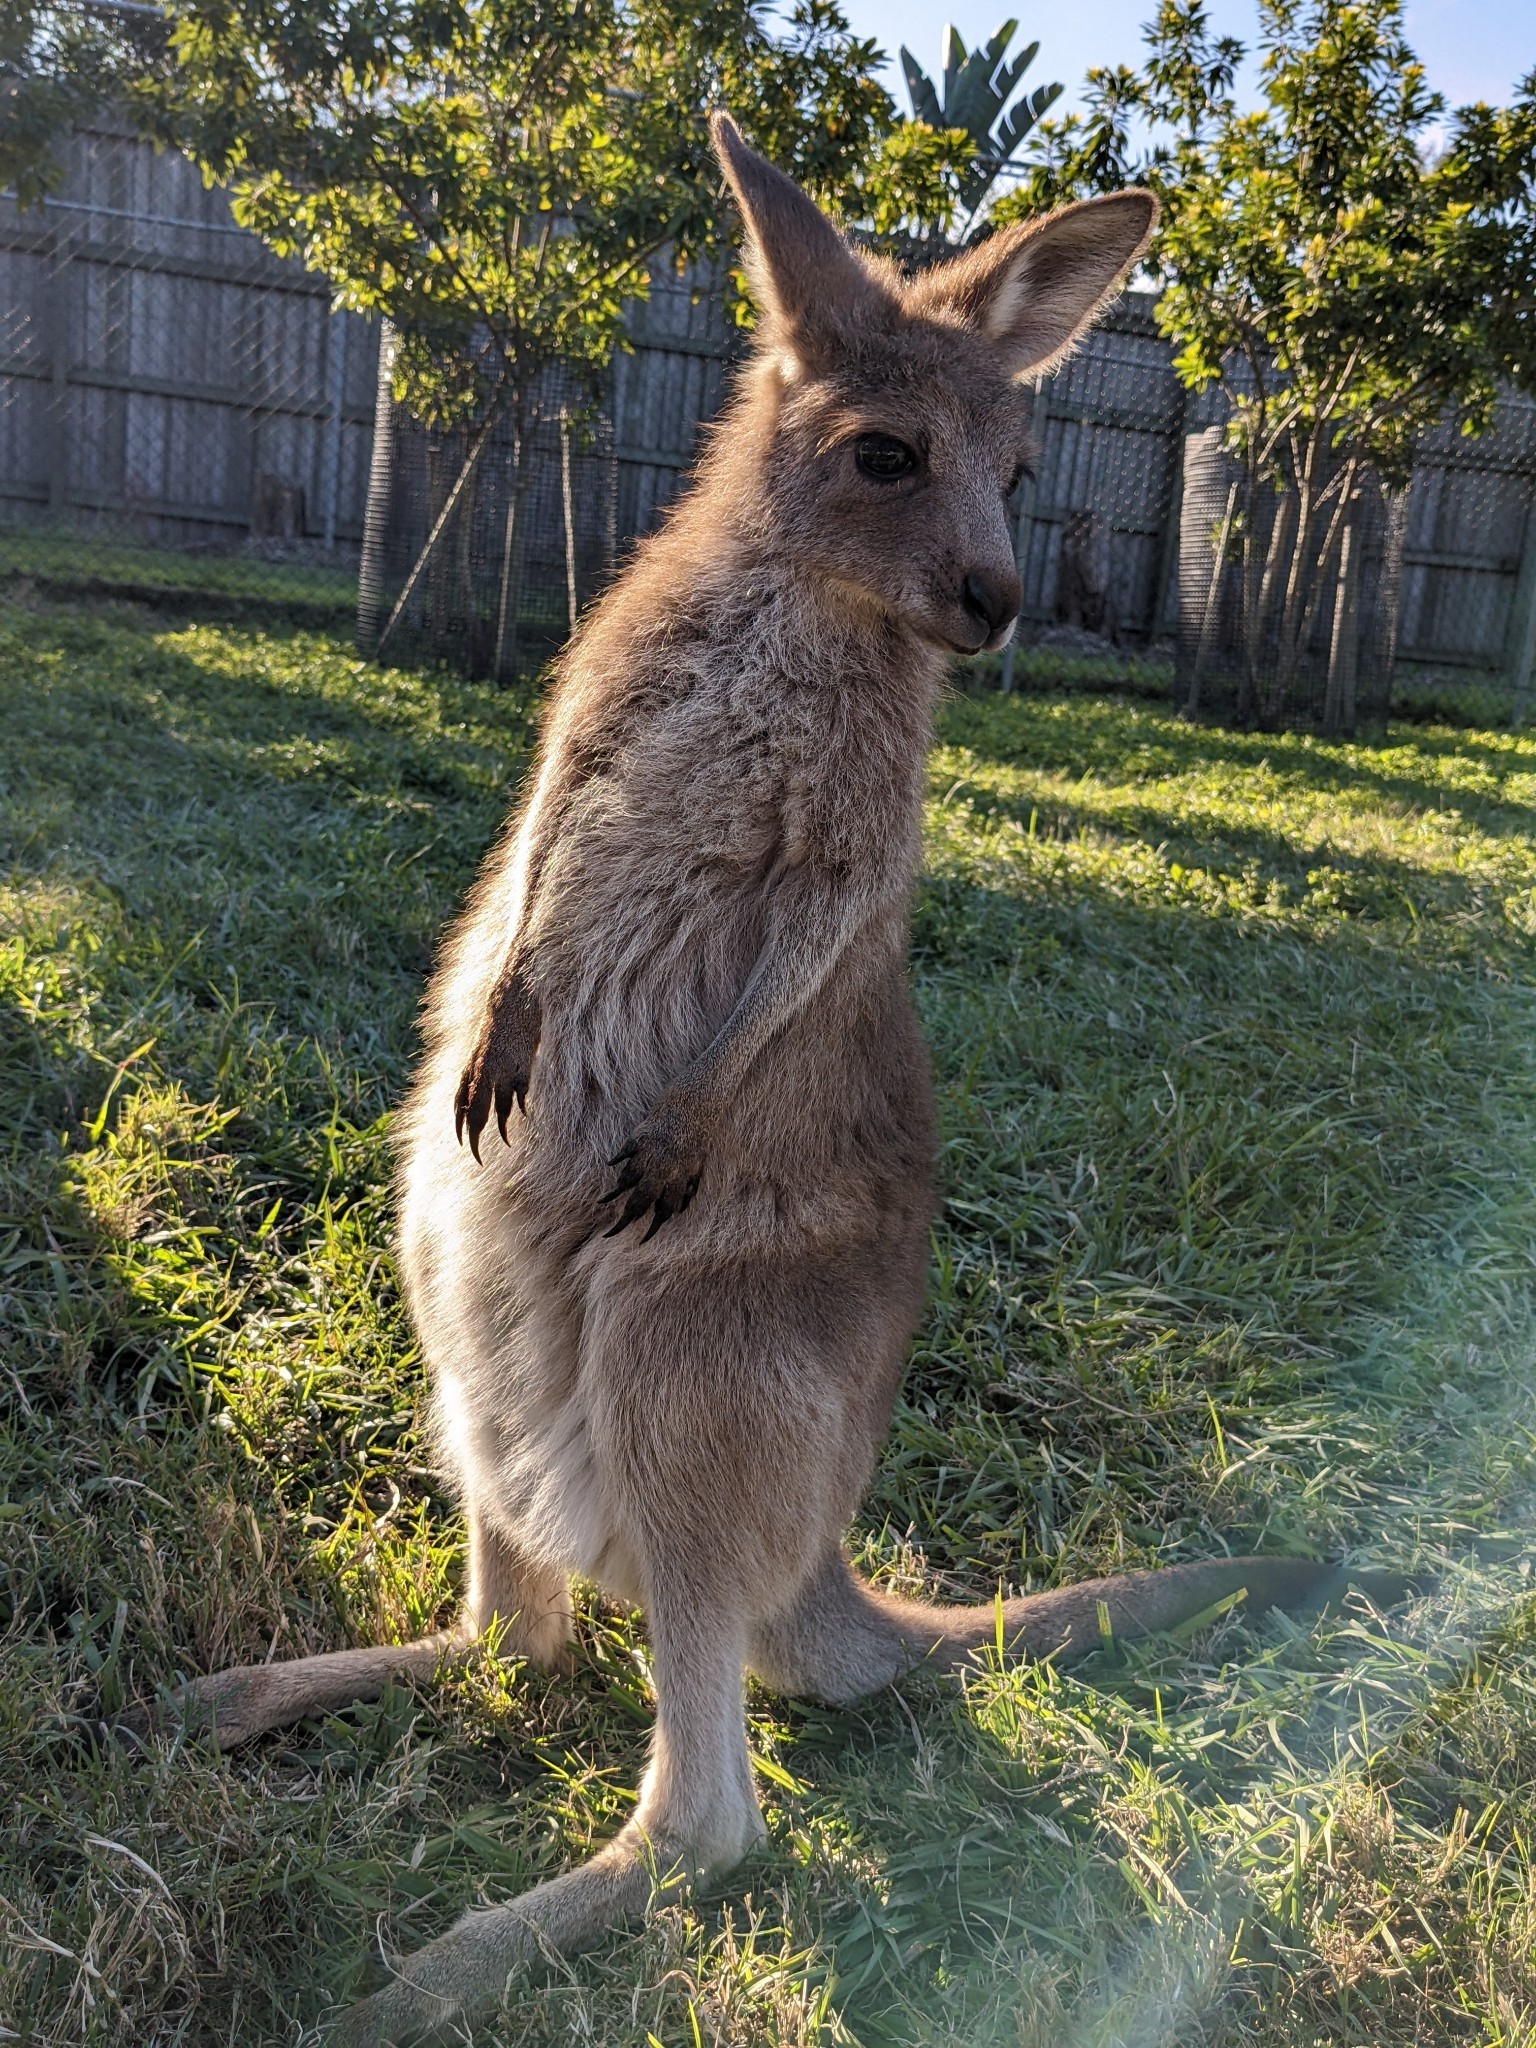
162,375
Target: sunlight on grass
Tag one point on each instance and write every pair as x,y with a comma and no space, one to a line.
1235,1048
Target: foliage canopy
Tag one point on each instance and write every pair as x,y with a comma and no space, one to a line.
1322,255
496,176
59,64
1347,262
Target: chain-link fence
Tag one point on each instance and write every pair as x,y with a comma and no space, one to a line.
1421,598
1467,628
1287,616
195,408
483,544
167,386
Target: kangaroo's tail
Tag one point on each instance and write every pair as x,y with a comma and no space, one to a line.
839,1639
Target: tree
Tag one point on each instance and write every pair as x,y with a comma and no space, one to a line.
1343,281
496,177
977,88
60,63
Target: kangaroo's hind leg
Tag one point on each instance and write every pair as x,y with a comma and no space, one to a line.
688,1386
529,1604
697,1813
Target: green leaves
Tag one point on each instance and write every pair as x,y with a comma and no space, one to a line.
977,89
59,65
1320,256
497,176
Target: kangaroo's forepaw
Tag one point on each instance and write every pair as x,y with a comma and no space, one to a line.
501,1066
662,1164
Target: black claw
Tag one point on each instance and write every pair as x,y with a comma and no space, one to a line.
625,1152
634,1209
664,1209
688,1193
474,1139
629,1178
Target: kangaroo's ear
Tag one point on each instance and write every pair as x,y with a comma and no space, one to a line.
1032,288
813,289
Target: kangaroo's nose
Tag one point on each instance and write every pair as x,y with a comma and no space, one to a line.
990,599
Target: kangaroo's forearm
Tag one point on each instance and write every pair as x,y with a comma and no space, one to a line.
810,932
567,764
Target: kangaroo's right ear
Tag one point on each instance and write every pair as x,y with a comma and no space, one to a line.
812,287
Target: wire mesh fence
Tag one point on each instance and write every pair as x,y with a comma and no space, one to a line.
1096,516
1467,633
482,545
1286,616
166,385
1420,598
196,410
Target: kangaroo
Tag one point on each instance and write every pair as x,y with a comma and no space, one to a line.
666,1301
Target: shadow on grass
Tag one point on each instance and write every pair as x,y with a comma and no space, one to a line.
250,869
1370,885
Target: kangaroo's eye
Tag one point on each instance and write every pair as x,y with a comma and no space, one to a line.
1016,479
883,457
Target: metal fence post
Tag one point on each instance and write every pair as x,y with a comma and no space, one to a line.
370,568
1522,621
57,412
330,480
1023,531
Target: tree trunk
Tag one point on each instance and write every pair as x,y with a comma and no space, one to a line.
1339,704
381,470
460,485
1278,556
1210,618
439,459
568,513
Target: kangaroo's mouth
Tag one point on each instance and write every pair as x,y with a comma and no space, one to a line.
989,645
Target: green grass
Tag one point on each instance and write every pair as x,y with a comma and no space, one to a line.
1236,1053
60,560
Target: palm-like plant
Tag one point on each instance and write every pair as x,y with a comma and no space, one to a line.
977,87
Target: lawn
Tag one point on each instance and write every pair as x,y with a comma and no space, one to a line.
1236,1043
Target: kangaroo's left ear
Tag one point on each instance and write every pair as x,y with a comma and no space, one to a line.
1032,288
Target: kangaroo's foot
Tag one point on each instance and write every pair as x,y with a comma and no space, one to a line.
697,1815
523,1610
249,1699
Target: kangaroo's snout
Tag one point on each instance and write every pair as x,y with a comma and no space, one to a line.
992,601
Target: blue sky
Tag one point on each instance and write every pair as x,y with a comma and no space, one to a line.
1472,49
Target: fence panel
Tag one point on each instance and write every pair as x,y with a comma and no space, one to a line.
666,387
1108,426
164,378
1471,515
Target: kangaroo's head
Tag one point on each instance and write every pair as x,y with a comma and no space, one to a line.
899,419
